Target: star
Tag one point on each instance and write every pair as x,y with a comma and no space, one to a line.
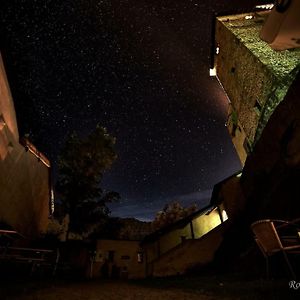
137,68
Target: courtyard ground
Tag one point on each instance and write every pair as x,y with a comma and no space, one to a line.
189,288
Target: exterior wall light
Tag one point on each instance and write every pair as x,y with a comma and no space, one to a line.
224,215
213,72
265,6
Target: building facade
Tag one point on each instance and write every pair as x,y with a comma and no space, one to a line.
119,259
255,77
24,173
182,245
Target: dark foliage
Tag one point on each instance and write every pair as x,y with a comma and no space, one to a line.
82,164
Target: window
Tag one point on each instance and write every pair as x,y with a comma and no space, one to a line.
257,107
247,146
125,257
234,120
140,257
111,255
224,215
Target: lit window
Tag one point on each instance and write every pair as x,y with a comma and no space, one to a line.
2,122
224,215
52,201
140,257
212,72
265,6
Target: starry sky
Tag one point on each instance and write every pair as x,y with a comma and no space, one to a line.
139,68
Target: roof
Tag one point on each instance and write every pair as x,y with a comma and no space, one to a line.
178,224
182,222
217,188
32,149
232,12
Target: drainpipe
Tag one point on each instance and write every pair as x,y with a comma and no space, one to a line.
158,247
192,230
147,272
220,214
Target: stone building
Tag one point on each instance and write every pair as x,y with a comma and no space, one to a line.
255,77
263,89
24,173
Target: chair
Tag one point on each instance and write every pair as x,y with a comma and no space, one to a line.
271,238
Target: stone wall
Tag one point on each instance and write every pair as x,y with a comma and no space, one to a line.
271,176
255,77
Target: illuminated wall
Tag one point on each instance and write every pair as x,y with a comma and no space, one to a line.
7,110
171,240
206,223
191,254
201,224
230,197
255,77
127,256
24,175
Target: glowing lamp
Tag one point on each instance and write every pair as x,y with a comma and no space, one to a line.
212,72
224,215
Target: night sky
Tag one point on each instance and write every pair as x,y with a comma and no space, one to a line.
139,68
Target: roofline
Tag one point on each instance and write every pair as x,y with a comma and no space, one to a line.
186,220
229,177
179,223
213,27
33,150
217,187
